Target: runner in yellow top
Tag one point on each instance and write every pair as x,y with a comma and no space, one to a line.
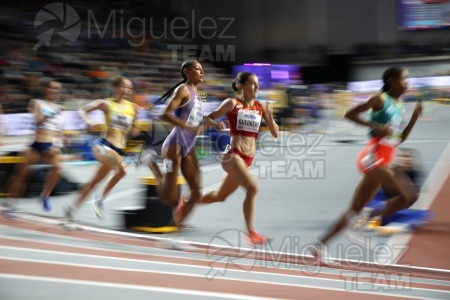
120,116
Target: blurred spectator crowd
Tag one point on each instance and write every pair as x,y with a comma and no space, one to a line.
85,67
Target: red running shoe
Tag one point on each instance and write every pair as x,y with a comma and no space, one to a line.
257,239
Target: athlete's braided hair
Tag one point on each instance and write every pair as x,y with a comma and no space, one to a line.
186,64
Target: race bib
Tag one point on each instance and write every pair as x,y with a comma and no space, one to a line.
248,121
120,122
195,117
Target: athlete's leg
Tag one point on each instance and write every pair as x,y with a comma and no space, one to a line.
115,162
190,168
167,181
53,157
236,168
227,187
365,191
109,159
401,191
99,175
19,180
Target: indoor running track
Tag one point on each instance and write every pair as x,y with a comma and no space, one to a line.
41,260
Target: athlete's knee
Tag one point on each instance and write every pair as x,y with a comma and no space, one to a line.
196,194
413,198
56,168
56,165
121,172
408,200
253,189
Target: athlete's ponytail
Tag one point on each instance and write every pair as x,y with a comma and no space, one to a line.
235,86
186,64
241,78
169,92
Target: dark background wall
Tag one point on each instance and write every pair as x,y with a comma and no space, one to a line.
297,29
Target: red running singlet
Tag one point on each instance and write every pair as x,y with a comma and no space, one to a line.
245,120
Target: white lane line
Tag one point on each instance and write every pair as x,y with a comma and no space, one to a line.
241,264
99,257
412,141
433,184
243,267
75,246
320,281
211,295
409,268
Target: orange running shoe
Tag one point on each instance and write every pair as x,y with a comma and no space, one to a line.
257,239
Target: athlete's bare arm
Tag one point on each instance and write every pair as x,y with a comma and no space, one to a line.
181,95
100,104
374,102
268,117
225,107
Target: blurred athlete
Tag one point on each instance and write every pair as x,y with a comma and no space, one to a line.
46,145
120,117
185,112
387,131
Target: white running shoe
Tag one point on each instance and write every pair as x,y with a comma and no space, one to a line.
321,256
177,243
97,207
67,219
